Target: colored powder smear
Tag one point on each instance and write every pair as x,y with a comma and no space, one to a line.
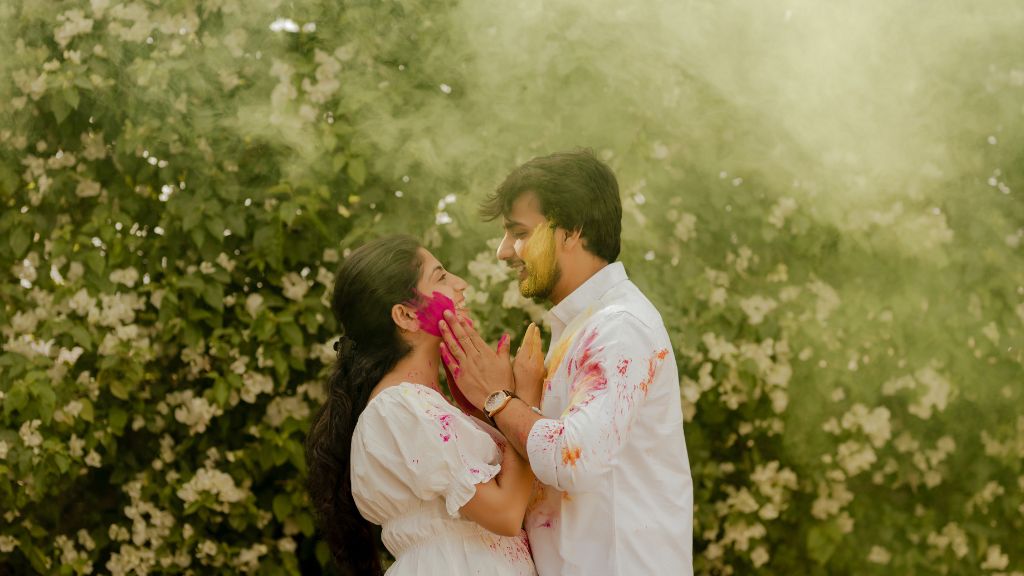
539,257
430,312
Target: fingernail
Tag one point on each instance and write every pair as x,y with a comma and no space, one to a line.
502,342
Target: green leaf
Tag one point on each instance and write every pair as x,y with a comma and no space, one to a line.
19,240
72,98
220,391
357,171
323,553
282,506
291,334
121,388
213,294
81,336
87,410
117,418
305,522
822,541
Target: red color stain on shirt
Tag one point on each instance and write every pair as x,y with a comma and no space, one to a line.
623,366
446,426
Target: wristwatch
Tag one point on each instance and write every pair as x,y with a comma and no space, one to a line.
496,402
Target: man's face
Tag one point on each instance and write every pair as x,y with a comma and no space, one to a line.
529,247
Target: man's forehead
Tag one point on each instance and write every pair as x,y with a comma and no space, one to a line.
525,210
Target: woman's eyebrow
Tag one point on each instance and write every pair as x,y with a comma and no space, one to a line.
437,269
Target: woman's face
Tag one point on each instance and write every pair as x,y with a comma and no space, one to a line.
434,278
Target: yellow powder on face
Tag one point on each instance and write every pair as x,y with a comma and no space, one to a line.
541,267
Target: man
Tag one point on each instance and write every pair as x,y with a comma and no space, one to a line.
607,441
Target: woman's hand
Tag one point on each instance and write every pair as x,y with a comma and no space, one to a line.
479,370
528,367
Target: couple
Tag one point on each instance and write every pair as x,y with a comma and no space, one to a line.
584,448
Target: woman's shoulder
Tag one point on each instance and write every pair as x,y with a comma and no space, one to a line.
407,403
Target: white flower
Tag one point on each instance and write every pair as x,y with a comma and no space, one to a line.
81,303
93,459
3,449
294,286
879,555
206,267
855,457
759,557
756,308
283,407
29,433
828,299
215,482
686,227
780,211
73,408
69,357
76,446
254,384
253,304
8,543
74,23
206,548
995,559
87,188
226,262
196,412
248,559
127,276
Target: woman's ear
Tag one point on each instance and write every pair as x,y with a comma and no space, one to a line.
405,318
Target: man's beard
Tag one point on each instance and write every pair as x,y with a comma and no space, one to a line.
538,284
542,270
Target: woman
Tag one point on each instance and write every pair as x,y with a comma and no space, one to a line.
388,448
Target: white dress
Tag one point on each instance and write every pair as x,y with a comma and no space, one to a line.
416,460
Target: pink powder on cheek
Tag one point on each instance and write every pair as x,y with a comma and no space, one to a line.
430,311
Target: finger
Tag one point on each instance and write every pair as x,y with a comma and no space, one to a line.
503,348
447,357
450,364
451,342
531,341
462,334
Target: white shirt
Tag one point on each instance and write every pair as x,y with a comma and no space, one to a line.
617,497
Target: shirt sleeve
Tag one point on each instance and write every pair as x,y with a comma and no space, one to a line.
611,369
433,449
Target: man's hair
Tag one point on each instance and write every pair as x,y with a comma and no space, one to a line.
576,192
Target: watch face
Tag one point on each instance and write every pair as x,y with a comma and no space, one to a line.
493,401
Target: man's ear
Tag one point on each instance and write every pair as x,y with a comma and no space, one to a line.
405,318
571,239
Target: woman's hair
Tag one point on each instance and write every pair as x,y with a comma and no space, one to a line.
374,278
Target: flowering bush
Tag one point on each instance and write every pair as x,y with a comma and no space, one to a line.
180,179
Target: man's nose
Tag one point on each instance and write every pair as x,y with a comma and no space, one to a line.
505,250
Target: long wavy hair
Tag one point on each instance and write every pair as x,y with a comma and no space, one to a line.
374,278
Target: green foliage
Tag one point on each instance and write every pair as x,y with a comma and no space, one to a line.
819,201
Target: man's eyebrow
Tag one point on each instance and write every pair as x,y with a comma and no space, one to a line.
436,269
512,224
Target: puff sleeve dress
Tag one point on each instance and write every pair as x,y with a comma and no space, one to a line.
416,460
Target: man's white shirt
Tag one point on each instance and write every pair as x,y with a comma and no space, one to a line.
617,494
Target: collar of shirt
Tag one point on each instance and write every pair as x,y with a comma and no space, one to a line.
582,297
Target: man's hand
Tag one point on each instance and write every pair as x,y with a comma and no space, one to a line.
481,370
528,367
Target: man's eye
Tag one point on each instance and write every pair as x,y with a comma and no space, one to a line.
443,276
